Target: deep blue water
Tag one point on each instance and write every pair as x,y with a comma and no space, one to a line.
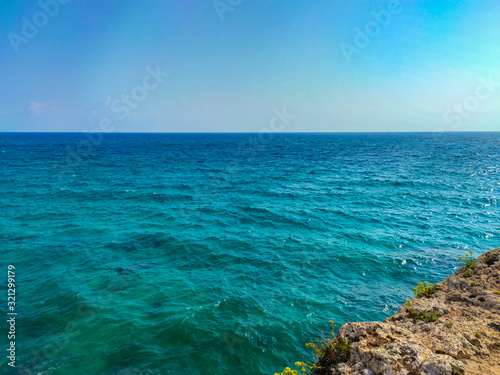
225,253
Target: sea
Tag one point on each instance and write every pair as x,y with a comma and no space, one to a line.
203,254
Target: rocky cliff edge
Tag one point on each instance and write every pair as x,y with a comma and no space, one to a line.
455,330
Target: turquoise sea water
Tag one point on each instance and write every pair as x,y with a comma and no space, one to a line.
224,254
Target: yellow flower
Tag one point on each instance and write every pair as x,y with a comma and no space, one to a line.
331,322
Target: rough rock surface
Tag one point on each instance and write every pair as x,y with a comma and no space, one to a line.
465,340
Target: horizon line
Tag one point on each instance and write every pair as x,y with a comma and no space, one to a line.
298,132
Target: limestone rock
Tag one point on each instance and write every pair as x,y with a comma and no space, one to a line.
464,341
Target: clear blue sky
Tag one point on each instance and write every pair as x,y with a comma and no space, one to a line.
229,70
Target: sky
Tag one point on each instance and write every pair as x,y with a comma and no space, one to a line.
247,66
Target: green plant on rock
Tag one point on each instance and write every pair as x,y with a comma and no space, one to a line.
304,369
469,263
467,260
328,351
448,325
410,308
492,258
478,335
288,371
456,371
426,290
345,349
425,316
